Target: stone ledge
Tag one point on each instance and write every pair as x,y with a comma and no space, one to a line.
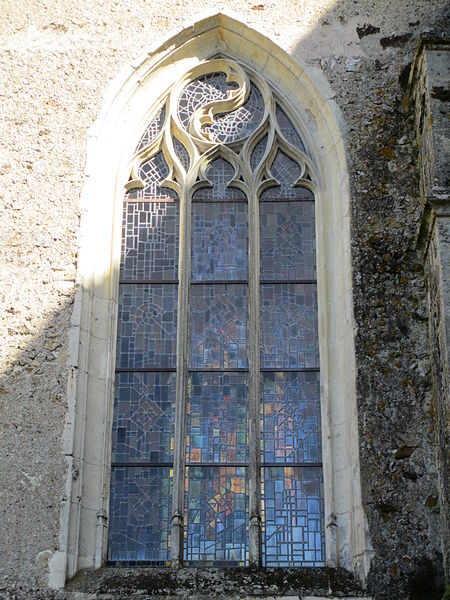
242,583
43,594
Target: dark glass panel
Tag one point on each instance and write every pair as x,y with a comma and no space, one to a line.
219,172
293,515
217,418
290,420
286,171
152,173
288,130
258,152
182,153
139,515
216,516
144,411
147,328
288,245
219,248
227,127
152,130
218,326
150,237
289,338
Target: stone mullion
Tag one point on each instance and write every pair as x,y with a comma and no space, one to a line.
179,463
254,475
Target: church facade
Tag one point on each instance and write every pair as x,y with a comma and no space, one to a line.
226,300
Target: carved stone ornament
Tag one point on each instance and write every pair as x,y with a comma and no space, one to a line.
205,115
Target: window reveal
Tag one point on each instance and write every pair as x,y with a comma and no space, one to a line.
216,433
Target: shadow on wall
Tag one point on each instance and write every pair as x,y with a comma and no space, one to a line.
362,54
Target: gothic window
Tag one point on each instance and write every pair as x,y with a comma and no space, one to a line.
216,449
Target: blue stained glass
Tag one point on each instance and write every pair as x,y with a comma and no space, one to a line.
290,419
288,244
218,326
219,172
293,513
152,173
288,130
216,516
150,238
258,152
147,328
286,171
289,337
227,127
219,248
140,509
217,418
182,153
144,409
153,128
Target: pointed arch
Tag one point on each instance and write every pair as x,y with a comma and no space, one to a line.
127,111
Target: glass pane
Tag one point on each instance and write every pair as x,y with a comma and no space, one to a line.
288,130
216,516
182,153
217,418
227,127
290,424
144,411
152,173
219,246
293,514
153,128
258,152
220,172
289,337
288,245
140,508
286,171
218,320
150,240
147,329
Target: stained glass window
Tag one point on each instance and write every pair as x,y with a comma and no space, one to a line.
217,352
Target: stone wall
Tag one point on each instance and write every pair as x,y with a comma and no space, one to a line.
57,61
431,91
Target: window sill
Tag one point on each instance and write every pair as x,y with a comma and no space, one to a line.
193,583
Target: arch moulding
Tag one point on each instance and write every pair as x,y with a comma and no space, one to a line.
113,138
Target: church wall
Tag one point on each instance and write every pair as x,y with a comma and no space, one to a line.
57,61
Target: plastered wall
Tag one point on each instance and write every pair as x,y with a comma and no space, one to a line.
57,60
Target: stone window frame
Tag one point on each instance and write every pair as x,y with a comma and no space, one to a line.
126,112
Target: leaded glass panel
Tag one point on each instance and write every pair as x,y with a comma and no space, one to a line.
216,516
219,172
227,127
286,171
288,130
287,240
147,328
140,506
153,128
218,322
290,419
258,152
150,239
181,153
293,512
219,246
152,173
217,418
289,338
144,409
212,404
